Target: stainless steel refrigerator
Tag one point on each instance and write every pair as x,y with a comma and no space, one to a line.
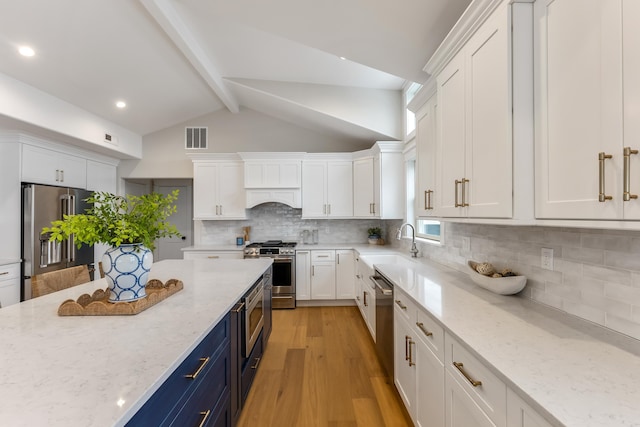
42,204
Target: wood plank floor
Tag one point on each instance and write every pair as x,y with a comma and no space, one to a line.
320,369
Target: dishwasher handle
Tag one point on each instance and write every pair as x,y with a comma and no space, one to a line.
383,287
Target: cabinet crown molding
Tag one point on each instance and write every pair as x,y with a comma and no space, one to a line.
274,155
472,18
196,157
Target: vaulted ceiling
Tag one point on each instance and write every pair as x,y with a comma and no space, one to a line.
173,60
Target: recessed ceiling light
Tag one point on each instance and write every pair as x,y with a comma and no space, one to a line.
121,104
26,51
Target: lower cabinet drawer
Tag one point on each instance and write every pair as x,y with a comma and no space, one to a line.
164,405
203,406
431,333
484,387
250,368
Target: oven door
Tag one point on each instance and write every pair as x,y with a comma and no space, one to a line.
284,276
254,317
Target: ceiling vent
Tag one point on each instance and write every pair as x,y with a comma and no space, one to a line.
195,138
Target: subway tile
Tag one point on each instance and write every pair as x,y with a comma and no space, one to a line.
545,298
628,261
608,305
584,311
606,242
567,267
562,291
607,274
624,293
585,284
592,256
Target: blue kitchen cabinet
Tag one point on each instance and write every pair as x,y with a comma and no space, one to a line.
198,388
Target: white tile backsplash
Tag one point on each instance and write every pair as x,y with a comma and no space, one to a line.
596,273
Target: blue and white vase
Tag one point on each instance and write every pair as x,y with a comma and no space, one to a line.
126,268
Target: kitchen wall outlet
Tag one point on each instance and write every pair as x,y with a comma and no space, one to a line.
546,259
466,244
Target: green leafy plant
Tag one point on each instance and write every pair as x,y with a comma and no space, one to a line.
116,220
374,231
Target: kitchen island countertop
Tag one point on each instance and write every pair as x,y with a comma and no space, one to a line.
99,370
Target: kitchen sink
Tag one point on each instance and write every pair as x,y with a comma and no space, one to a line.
370,260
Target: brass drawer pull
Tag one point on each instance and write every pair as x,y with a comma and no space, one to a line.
602,197
205,416
427,199
213,257
365,299
423,329
406,347
193,376
459,366
626,192
3,273
401,305
464,192
411,362
257,363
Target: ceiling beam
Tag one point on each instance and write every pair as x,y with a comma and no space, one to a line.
178,31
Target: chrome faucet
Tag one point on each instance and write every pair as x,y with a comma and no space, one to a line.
414,248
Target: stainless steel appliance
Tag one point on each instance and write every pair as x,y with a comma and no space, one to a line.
284,269
42,204
384,321
253,316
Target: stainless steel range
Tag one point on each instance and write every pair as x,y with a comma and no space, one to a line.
284,269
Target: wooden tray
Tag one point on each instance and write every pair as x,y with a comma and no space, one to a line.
98,304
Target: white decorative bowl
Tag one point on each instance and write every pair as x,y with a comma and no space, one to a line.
499,285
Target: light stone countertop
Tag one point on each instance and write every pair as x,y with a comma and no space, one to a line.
99,370
581,374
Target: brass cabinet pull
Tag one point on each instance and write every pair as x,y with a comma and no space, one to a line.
406,347
374,208
459,366
456,204
3,273
401,305
602,197
205,416
204,361
220,209
213,256
338,260
423,329
626,192
313,270
365,299
427,200
464,192
238,308
257,359
61,175
411,362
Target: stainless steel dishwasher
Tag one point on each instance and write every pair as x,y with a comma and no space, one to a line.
384,321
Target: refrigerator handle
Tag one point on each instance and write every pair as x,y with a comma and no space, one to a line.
71,247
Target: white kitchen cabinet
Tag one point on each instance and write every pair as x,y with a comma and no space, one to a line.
426,135
218,190
579,90
272,173
323,275
366,296
405,375
520,414
474,143
429,395
460,409
303,275
327,188
44,166
363,183
345,274
214,254
101,176
9,284
378,178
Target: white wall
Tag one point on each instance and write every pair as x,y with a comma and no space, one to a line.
164,153
21,103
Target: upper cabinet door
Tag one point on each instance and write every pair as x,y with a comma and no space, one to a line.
631,73
578,112
488,153
426,159
363,198
340,189
230,189
314,179
450,167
